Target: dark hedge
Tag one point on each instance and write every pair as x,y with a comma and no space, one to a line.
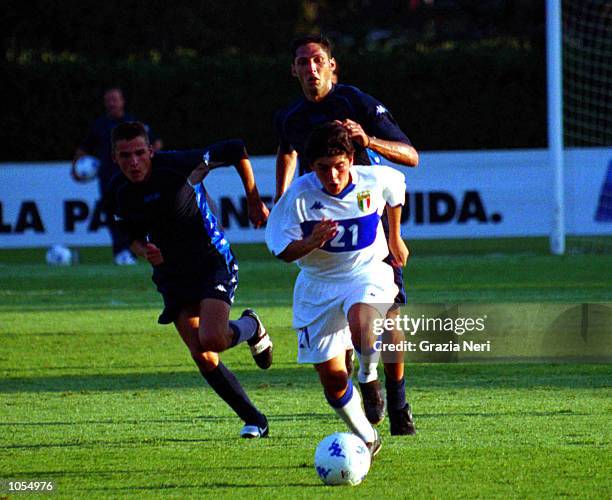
461,97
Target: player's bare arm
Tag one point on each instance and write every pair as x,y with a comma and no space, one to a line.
199,173
322,232
258,212
285,170
147,251
395,151
397,247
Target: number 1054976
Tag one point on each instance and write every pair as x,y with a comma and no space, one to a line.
26,486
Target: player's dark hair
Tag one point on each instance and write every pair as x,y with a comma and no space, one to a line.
329,139
127,131
318,38
113,88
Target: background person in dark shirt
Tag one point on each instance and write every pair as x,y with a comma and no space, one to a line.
98,144
160,201
374,132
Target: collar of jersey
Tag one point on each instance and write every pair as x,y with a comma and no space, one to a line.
315,104
349,187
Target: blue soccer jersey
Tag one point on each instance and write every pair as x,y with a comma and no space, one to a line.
295,123
171,211
360,240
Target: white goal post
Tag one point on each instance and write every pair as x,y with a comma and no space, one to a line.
554,73
579,90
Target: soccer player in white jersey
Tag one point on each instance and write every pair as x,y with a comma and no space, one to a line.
328,222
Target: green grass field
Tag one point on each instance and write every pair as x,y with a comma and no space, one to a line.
98,398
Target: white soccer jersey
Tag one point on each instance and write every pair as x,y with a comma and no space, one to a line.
357,210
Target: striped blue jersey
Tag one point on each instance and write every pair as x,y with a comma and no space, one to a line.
170,211
360,240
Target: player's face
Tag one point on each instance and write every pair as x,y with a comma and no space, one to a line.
334,172
114,103
134,158
314,69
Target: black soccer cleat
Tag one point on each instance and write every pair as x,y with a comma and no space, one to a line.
401,422
260,343
373,402
375,446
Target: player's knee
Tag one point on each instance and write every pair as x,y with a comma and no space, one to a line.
361,325
335,382
212,339
206,360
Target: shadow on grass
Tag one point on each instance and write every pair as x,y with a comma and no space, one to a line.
419,377
130,443
207,486
187,421
120,472
82,384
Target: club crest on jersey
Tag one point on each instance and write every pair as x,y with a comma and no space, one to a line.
363,200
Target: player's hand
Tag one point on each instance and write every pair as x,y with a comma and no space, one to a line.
355,131
323,232
258,212
153,254
399,252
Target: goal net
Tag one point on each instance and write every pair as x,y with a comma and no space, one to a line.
587,94
587,72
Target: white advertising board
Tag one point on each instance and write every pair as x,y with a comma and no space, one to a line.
449,195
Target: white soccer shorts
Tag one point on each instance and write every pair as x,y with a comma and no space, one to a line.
320,309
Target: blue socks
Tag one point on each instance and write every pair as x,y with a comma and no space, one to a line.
396,393
226,385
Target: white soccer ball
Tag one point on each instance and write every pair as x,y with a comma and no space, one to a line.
86,167
342,458
59,255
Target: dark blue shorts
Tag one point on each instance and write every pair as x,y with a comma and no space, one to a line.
398,279
216,279
398,275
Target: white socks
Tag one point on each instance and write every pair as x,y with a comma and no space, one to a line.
367,367
349,409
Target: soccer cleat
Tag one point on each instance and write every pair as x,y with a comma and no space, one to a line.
260,344
373,402
125,258
250,431
401,422
375,446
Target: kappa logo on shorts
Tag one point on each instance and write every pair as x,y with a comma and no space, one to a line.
221,288
363,200
304,338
